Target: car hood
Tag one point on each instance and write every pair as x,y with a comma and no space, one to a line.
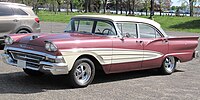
39,39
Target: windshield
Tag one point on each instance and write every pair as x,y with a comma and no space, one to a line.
85,26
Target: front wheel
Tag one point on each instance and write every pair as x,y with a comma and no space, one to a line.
169,65
82,73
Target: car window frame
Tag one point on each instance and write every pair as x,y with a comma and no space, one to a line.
94,25
14,12
7,8
121,33
151,26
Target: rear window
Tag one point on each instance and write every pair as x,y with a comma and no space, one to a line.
5,11
18,11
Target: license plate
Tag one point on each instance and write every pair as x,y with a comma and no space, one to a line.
21,63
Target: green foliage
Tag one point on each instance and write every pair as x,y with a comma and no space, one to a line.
168,23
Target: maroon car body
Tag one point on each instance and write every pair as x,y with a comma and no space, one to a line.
112,43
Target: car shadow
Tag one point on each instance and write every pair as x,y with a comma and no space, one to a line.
187,25
20,83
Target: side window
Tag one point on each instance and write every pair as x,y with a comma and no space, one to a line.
85,26
104,28
146,31
5,11
81,26
18,11
128,29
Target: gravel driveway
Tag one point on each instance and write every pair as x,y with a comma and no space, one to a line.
184,84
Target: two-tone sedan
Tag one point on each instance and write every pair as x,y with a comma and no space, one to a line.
99,42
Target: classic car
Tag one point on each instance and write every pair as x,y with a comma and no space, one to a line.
99,42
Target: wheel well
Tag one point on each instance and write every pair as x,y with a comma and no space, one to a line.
177,59
98,66
24,29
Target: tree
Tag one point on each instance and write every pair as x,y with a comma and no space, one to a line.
191,7
152,9
104,6
146,6
59,2
117,6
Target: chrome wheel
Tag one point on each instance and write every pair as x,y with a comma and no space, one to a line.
83,73
169,65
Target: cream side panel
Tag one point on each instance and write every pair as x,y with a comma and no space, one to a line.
109,55
70,56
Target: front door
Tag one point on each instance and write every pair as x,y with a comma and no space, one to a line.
127,52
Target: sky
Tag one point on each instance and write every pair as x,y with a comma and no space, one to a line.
176,3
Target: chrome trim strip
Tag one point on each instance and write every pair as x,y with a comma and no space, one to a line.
54,68
33,52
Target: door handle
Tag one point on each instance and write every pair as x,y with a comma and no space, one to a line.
139,42
165,41
15,20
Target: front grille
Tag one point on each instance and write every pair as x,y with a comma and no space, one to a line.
32,60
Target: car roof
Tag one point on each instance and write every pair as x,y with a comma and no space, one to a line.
14,4
117,18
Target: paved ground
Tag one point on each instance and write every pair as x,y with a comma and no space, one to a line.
184,84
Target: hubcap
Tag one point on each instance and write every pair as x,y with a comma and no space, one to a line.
83,73
169,64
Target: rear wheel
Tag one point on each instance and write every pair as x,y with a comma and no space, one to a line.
33,72
169,65
82,73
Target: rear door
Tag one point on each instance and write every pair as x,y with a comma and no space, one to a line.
155,46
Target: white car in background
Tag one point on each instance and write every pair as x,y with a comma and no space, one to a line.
17,18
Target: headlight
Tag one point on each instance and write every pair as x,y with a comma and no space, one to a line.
49,46
8,40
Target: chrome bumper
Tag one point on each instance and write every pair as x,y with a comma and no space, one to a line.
53,68
196,54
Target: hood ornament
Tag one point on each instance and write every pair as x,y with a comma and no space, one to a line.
34,37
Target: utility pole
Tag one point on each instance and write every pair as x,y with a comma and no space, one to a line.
152,10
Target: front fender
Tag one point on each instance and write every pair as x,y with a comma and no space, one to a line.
71,55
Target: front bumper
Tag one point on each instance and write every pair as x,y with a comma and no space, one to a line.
46,67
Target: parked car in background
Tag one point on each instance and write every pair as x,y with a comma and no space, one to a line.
99,42
17,18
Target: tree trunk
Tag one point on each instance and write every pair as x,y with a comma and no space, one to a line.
104,6
160,8
146,12
152,9
191,7
121,6
71,5
129,7
59,5
86,6
116,7
133,10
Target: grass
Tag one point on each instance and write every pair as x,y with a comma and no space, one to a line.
168,23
